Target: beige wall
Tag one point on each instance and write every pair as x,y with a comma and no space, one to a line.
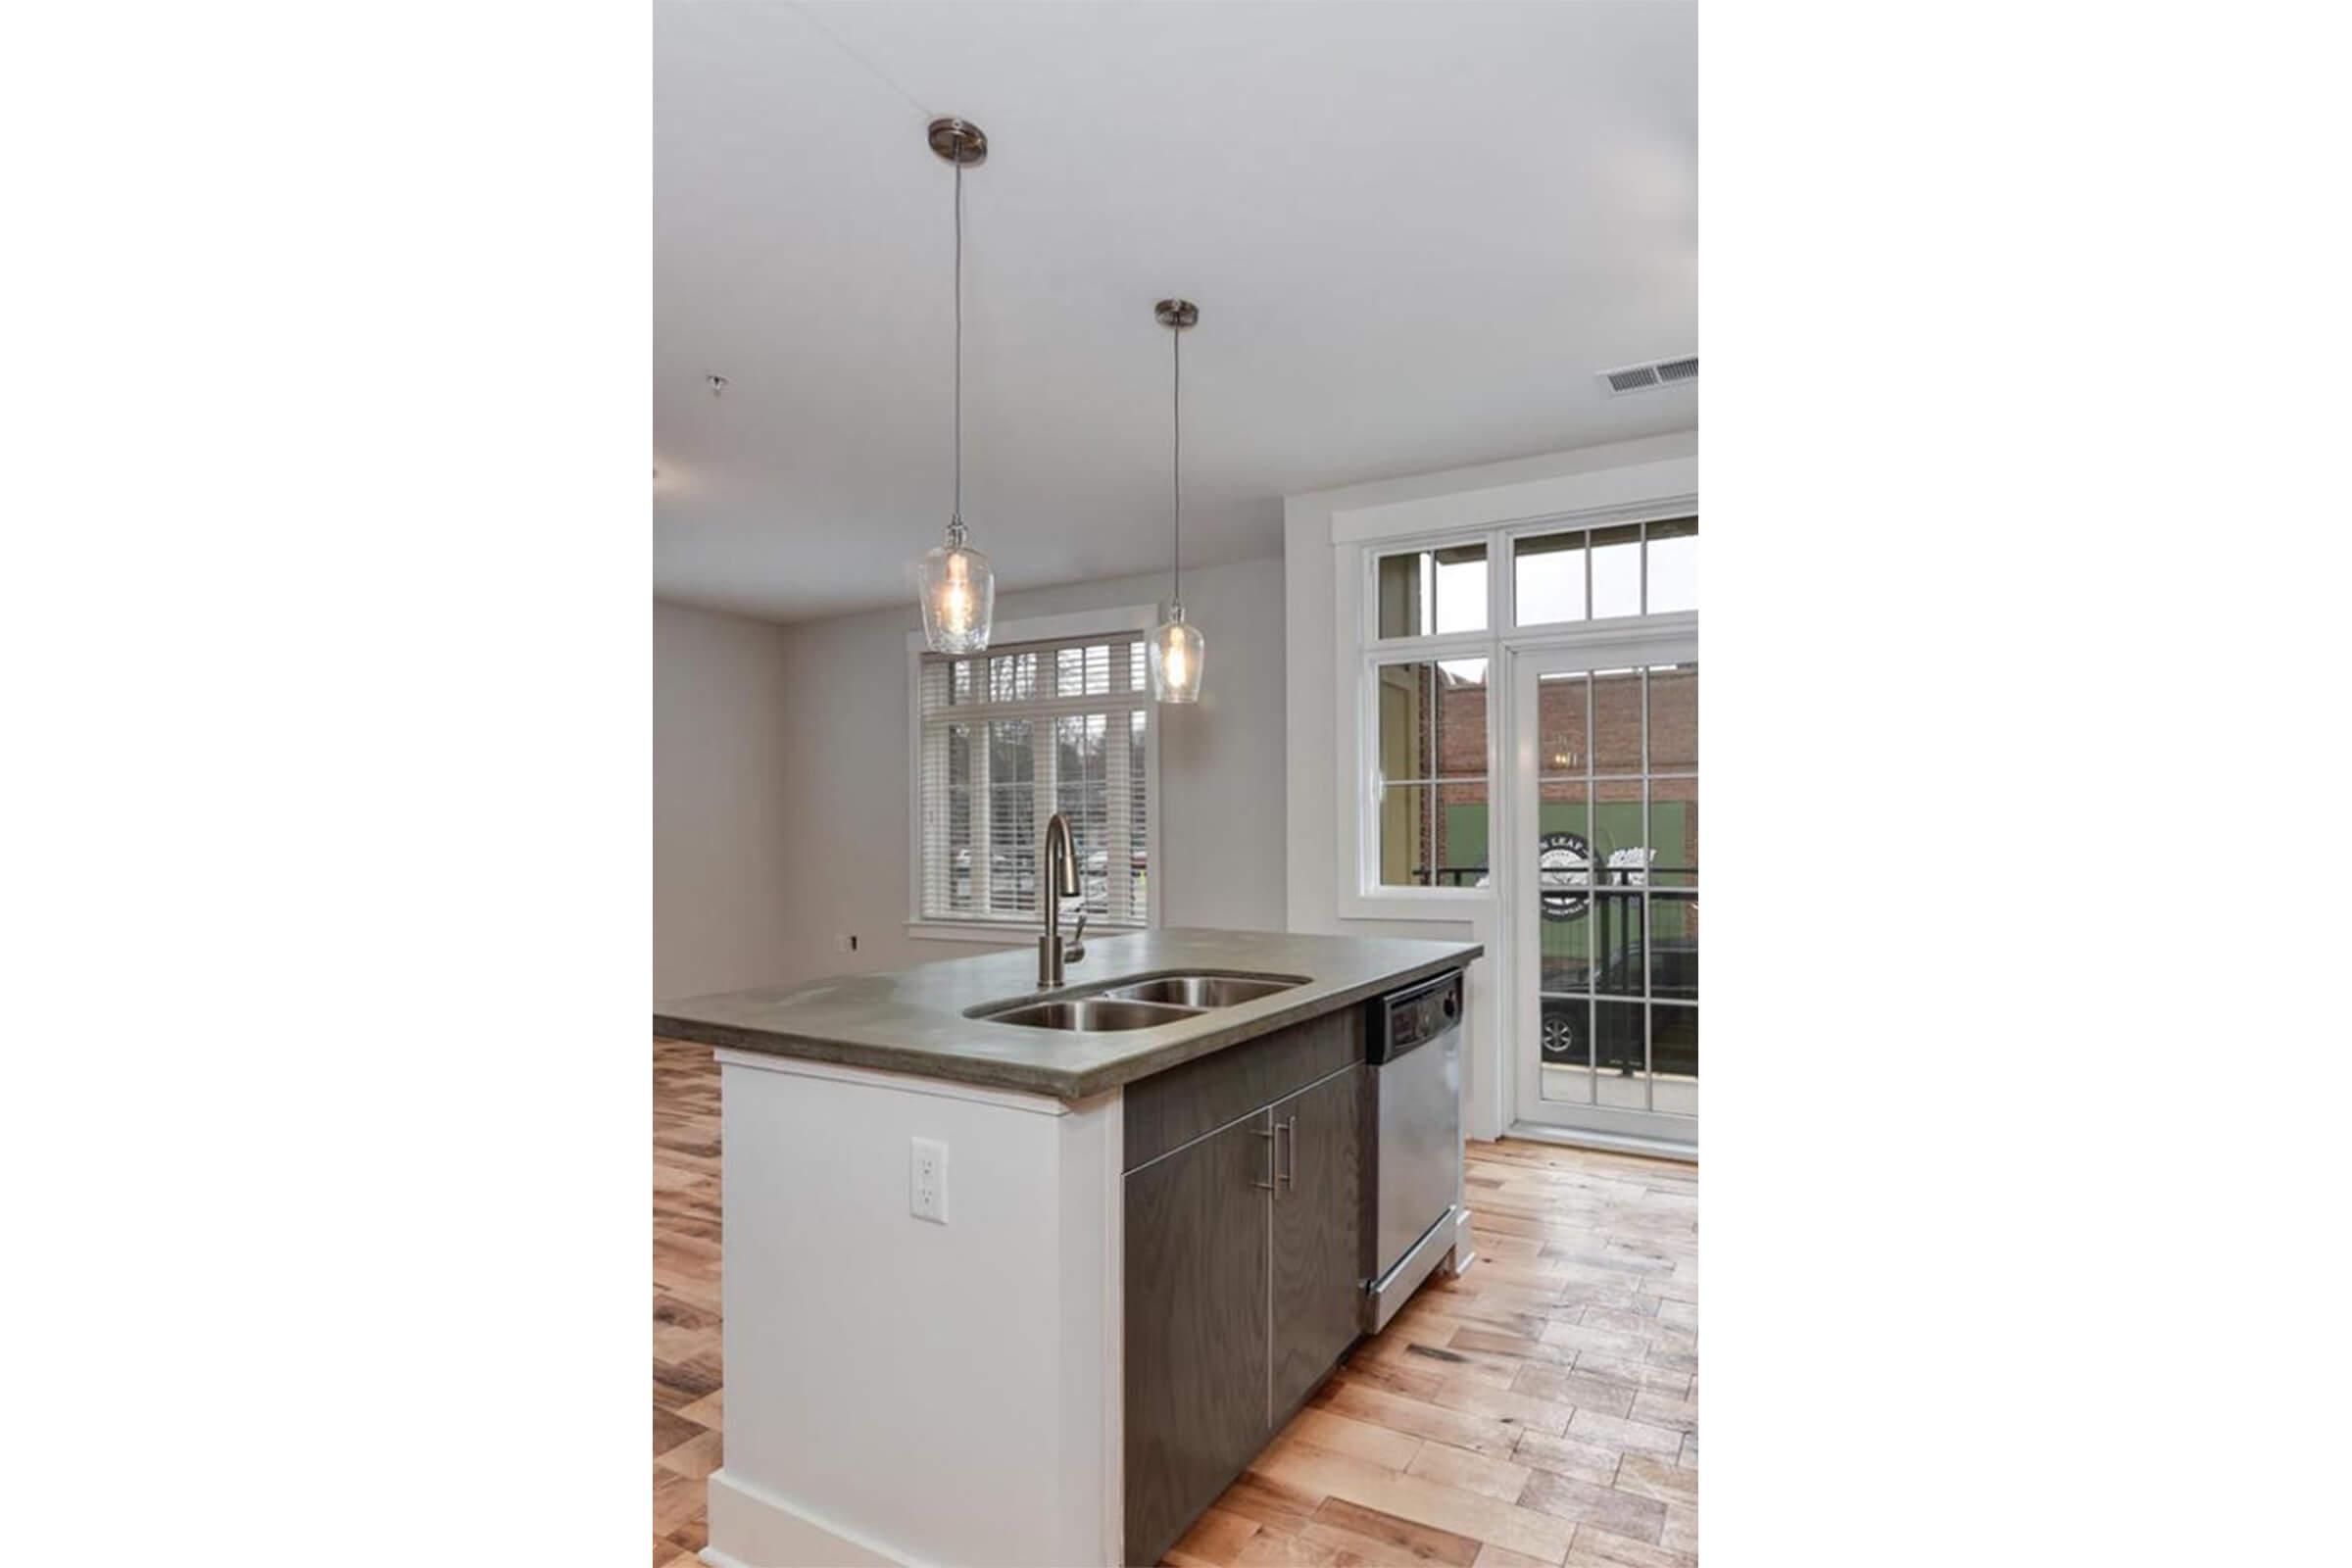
828,767
721,880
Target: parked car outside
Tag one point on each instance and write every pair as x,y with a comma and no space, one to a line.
1566,1021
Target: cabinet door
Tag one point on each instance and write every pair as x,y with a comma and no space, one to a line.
1196,1278
1319,1143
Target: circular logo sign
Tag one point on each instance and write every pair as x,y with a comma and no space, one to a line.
1563,875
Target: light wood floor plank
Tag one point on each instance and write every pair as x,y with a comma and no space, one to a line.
1502,1479
1426,1503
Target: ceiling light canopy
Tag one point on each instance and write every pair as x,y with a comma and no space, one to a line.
959,586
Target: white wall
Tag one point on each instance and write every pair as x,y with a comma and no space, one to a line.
1314,527
721,742
831,856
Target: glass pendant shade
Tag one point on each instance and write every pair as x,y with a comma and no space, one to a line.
1176,654
960,596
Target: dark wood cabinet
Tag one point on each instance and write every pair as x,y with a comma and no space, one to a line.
1197,1255
1319,1149
1247,1176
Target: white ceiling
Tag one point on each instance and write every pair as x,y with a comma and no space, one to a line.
1414,231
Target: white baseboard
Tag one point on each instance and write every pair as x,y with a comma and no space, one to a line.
751,1527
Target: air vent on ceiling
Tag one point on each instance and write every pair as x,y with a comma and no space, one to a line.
1658,372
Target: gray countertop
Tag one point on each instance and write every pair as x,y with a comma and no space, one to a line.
912,1021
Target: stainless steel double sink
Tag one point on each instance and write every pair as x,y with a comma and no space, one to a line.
1139,1003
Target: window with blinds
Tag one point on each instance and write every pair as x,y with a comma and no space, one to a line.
1013,735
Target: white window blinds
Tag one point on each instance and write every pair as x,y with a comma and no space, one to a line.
1013,735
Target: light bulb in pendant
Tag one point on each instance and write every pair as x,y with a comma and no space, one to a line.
959,594
1176,658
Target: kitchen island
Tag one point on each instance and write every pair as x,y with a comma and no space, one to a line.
998,1293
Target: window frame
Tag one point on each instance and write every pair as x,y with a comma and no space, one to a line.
1362,895
1127,622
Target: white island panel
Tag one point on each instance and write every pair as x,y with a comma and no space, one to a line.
899,1391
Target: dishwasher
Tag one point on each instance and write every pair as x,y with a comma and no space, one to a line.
1413,1041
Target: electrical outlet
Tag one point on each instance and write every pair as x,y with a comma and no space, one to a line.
844,943
927,1181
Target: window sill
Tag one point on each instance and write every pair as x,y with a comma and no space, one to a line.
1415,903
1001,933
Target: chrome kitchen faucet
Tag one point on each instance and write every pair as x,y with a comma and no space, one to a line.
1060,882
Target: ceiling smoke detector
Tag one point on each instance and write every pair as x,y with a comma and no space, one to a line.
1655,374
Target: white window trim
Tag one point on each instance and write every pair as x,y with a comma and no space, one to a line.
1126,619
1642,493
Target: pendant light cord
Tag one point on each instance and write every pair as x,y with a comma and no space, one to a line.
955,513
1176,466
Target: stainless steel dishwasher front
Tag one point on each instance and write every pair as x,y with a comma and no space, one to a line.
1415,1048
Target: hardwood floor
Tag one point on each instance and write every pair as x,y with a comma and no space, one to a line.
686,1364
1541,1409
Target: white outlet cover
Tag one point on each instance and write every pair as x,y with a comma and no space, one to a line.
927,1180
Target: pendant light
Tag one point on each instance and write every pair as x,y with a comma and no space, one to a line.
1176,646
959,589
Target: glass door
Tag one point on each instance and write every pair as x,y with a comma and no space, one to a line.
1603,916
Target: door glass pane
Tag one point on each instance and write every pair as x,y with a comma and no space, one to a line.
1565,1038
1673,565
1620,1063
1673,719
1616,572
1673,832
1620,846
1617,722
1619,923
1563,893
1429,591
1563,721
1548,578
1674,1049
1674,946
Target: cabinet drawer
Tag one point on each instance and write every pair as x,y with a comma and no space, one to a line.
1172,1109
